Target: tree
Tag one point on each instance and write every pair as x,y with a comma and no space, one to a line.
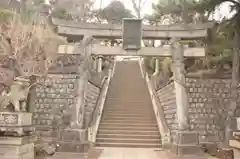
218,46
114,12
173,11
68,9
26,46
209,6
76,10
137,6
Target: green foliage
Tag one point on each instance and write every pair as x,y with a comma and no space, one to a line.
38,2
5,15
149,64
80,11
114,12
220,47
61,13
174,11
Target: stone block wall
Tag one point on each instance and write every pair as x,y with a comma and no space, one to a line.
57,93
167,96
55,98
208,100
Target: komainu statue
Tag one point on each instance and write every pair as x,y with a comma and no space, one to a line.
16,96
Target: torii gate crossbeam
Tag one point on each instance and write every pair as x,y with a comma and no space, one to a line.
144,51
78,30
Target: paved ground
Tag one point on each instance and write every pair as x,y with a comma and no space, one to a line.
124,153
236,155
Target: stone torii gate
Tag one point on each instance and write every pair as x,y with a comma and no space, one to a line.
184,141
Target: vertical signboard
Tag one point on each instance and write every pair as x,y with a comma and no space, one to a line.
132,34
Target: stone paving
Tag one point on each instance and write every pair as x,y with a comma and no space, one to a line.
129,153
125,153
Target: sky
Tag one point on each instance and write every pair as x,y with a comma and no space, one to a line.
147,9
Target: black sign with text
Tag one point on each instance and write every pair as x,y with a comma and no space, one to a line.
132,34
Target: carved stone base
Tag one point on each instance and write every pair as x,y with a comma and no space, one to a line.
210,148
71,140
15,119
226,154
16,148
70,147
186,143
15,123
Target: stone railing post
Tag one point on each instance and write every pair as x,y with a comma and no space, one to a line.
185,142
100,62
95,64
156,67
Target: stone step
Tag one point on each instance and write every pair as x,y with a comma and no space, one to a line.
120,104
137,86
128,145
127,113
129,124
128,108
129,118
110,110
133,140
127,136
123,103
123,109
128,128
128,100
129,121
136,132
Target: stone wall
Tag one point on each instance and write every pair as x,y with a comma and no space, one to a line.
52,110
208,99
57,93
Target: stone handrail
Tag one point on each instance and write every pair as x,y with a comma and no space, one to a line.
158,110
92,130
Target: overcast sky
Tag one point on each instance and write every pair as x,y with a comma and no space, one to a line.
147,9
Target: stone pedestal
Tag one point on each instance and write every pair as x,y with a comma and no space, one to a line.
16,148
71,140
15,123
15,138
186,143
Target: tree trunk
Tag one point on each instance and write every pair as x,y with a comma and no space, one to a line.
227,152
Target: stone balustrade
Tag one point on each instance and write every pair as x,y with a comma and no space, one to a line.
167,98
92,97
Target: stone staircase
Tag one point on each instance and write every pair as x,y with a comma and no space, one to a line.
128,119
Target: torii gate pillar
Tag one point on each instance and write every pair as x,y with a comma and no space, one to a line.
184,140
